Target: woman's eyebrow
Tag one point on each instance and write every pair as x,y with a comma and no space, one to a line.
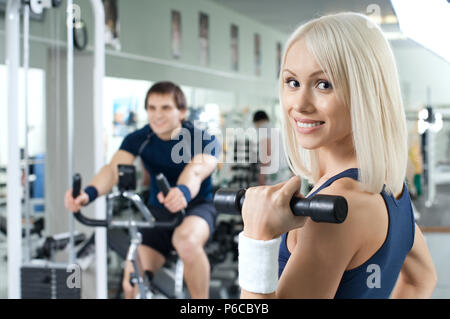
287,70
316,73
311,75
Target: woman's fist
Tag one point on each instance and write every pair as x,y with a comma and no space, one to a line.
266,212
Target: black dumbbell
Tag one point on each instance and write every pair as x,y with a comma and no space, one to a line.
321,208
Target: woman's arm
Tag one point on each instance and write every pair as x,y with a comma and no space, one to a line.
417,277
321,255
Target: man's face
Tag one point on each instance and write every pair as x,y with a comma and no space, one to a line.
163,114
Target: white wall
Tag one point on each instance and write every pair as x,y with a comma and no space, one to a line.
418,69
36,113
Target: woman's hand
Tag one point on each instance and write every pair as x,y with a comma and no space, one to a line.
174,201
266,212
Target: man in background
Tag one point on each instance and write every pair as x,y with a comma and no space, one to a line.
271,158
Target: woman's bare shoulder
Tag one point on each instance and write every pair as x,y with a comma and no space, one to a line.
330,245
361,203
363,212
366,221
324,251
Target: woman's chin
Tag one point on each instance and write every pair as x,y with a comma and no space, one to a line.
308,145
310,148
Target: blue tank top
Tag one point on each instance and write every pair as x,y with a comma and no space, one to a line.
376,277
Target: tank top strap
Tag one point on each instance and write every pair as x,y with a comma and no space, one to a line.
351,172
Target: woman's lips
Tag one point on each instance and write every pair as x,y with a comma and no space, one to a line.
308,130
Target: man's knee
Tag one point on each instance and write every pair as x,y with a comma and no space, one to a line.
188,243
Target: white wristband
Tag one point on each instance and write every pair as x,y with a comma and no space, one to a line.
258,264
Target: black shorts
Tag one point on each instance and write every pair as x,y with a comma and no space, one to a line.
160,239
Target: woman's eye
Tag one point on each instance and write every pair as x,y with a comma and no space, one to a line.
292,83
324,85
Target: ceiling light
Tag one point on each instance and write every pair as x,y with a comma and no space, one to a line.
426,22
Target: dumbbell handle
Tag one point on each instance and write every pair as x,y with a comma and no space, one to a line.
320,208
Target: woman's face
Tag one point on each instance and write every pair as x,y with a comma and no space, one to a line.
310,102
163,114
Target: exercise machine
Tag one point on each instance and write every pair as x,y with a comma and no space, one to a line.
147,286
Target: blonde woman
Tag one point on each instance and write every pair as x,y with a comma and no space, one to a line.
345,131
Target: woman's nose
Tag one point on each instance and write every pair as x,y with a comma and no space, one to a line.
303,102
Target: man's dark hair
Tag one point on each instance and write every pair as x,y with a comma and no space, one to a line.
168,88
259,116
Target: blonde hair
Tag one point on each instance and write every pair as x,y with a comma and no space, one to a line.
354,53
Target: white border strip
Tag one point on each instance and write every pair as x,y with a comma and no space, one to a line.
100,207
14,208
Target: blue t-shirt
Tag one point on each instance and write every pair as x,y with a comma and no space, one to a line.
376,277
170,157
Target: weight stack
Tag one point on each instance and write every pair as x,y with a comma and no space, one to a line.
48,281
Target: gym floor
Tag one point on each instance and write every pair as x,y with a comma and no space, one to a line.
437,214
434,222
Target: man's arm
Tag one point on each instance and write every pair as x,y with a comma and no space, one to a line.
108,176
192,176
200,167
417,277
103,182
